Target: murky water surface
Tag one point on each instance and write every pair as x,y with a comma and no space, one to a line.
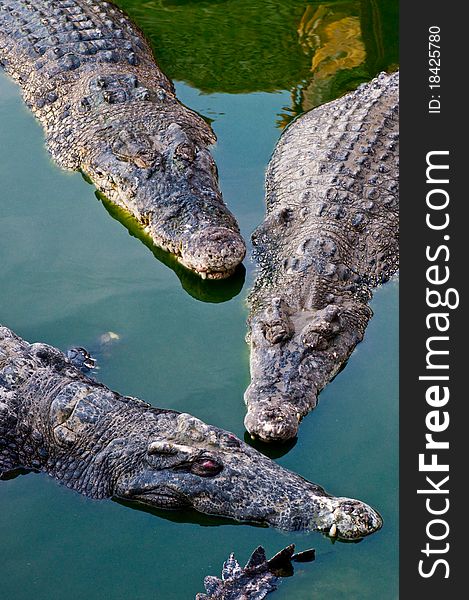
70,272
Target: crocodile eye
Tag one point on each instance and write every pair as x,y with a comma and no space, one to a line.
232,441
313,340
206,467
276,332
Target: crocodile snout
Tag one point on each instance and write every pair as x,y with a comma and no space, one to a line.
272,423
214,252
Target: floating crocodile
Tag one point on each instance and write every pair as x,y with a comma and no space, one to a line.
330,235
53,418
90,77
257,579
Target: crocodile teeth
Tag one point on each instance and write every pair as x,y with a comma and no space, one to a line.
333,531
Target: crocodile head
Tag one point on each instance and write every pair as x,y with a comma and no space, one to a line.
150,157
195,465
294,353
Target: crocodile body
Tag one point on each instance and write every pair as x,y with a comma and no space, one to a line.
55,419
256,579
90,77
330,235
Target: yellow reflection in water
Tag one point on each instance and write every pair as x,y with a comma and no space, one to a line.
333,38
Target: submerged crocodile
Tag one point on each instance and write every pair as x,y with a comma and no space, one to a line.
257,579
55,419
90,77
330,235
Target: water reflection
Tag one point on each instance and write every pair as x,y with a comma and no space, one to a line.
345,41
15,473
205,290
317,50
272,450
185,515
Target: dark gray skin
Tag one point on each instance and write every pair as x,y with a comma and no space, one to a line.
55,419
90,77
330,235
256,579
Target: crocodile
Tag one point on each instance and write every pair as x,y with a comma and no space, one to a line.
90,77
329,237
256,579
55,419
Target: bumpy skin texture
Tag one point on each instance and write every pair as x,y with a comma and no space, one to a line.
93,440
330,235
256,579
90,78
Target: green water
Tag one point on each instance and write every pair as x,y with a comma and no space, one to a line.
70,272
